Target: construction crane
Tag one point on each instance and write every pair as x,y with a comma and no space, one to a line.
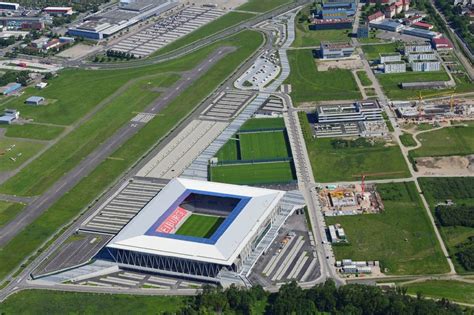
362,184
451,103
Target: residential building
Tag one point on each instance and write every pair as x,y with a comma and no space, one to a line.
336,50
376,17
421,56
425,65
390,57
394,67
417,47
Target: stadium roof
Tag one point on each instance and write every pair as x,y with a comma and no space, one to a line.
232,236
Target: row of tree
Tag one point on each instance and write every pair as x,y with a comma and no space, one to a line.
458,215
119,54
324,298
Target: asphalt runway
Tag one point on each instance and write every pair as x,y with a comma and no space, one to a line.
87,165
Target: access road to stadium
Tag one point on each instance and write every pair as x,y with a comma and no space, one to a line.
68,181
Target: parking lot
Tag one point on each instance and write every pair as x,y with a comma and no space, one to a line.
262,72
167,30
291,256
116,212
227,105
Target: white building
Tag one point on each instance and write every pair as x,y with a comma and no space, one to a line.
415,47
426,65
394,67
421,56
390,57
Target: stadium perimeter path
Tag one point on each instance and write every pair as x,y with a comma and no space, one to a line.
88,164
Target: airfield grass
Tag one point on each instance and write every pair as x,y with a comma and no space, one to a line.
264,145
407,140
90,187
59,302
228,20
308,84
391,84
347,164
230,151
21,152
456,140
364,78
263,123
372,52
253,174
401,237
262,5
33,131
8,210
437,190
453,290
199,225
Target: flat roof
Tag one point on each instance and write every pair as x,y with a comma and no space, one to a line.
223,247
336,45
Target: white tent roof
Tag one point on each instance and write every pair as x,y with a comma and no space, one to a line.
227,247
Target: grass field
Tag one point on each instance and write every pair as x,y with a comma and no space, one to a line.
346,164
251,174
8,210
56,302
308,84
13,157
453,290
225,21
230,151
199,225
457,189
391,84
372,52
407,140
33,131
364,78
401,237
262,5
264,145
262,124
90,187
458,140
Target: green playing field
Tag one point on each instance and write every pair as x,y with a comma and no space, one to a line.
199,225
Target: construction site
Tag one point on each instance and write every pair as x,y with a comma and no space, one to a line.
350,199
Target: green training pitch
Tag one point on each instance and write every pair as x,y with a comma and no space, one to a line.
264,145
372,52
263,123
457,140
310,85
329,163
199,225
401,237
229,152
253,174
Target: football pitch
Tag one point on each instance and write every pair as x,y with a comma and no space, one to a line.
199,225
264,145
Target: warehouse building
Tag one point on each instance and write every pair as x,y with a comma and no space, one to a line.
425,85
9,6
9,116
153,240
19,22
10,88
426,65
387,25
336,24
394,67
337,9
390,57
34,100
58,11
418,32
336,50
363,30
441,43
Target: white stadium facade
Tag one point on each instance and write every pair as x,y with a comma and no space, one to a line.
152,241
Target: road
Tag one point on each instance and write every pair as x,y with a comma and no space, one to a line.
89,163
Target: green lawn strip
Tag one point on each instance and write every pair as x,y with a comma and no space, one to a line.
401,237
262,5
459,190
58,302
229,152
228,20
364,78
457,140
407,140
388,122
262,124
372,52
14,153
308,84
88,189
346,164
9,210
33,131
264,145
40,174
450,289
198,225
391,84
252,174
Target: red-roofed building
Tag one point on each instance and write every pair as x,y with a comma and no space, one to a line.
376,17
441,43
423,25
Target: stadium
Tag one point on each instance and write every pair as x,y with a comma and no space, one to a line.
197,229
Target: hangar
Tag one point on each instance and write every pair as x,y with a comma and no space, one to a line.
198,229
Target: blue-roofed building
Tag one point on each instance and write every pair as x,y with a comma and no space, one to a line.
338,9
10,88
